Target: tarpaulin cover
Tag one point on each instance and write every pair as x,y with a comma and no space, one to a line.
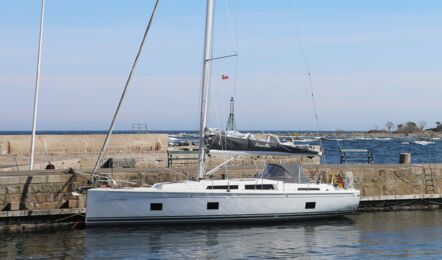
234,141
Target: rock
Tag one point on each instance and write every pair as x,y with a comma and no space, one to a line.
15,205
73,203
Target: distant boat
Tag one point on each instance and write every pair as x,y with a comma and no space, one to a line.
279,192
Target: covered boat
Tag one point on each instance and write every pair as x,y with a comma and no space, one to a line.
233,141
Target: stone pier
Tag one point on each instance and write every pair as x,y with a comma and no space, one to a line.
80,151
29,198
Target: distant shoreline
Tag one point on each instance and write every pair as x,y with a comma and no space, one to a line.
340,133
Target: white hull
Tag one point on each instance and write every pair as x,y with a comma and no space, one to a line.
190,202
220,200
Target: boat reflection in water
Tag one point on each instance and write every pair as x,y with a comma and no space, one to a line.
414,234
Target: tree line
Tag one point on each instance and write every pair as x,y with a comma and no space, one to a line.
408,127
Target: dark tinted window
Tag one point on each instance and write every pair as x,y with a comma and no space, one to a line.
259,187
223,187
156,206
286,172
308,189
310,205
212,205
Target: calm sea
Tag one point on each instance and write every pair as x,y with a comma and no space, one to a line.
406,234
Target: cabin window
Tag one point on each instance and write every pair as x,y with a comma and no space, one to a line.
259,187
156,206
222,187
310,205
212,205
307,189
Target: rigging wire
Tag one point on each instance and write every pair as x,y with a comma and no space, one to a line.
307,67
212,96
233,31
310,82
126,87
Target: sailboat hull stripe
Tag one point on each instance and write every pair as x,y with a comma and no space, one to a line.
212,218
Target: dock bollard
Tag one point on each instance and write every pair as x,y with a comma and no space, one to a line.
405,158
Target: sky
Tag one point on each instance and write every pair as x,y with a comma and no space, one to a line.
370,62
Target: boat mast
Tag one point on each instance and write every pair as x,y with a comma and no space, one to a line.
205,86
37,85
126,87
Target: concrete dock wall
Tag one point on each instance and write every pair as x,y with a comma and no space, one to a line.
386,179
81,151
82,144
52,189
29,200
38,191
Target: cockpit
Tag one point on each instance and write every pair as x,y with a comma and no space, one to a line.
290,172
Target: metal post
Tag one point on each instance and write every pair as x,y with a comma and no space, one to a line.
205,85
37,85
231,120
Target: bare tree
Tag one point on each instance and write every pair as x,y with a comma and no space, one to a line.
422,125
438,126
390,126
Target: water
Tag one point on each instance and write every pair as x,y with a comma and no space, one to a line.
386,150
410,234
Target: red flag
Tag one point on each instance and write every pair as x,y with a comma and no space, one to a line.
223,77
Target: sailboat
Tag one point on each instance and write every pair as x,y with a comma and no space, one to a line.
279,192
